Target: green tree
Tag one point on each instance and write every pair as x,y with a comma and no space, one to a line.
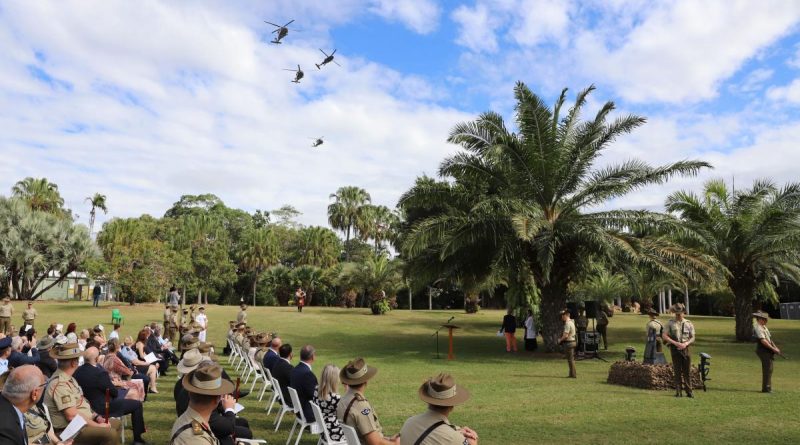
40,194
754,233
279,280
532,199
600,284
260,252
318,246
377,277
376,222
98,201
343,213
310,278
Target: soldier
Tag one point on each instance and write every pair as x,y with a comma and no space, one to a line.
239,337
173,322
6,311
64,399
654,332
241,317
189,342
167,315
581,323
186,320
765,349
568,342
680,334
29,315
205,386
602,325
355,410
262,342
434,427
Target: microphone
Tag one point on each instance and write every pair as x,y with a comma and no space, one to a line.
451,319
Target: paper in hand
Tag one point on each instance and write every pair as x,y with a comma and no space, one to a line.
150,358
74,427
237,408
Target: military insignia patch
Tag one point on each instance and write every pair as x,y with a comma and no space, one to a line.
197,429
65,400
365,411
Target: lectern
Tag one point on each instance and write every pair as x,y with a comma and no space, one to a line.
450,328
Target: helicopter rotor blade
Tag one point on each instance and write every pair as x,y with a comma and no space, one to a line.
270,23
337,63
323,52
334,51
288,23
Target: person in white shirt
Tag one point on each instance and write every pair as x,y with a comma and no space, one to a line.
530,333
115,332
203,320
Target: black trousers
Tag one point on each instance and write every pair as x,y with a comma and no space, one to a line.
121,407
767,360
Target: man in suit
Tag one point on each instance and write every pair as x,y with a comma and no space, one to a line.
282,371
17,358
272,355
94,381
304,381
22,390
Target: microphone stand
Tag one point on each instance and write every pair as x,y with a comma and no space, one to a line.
437,335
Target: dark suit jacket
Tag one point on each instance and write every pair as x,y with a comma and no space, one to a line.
282,371
94,381
270,358
10,430
153,344
47,364
304,382
17,359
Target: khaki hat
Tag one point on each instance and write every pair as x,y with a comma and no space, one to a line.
6,299
357,372
678,308
191,359
652,312
241,325
263,339
188,342
232,323
66,351
761,314
442,391
207,380
45,344
201,308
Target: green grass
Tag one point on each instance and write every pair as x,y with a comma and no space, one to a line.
516,399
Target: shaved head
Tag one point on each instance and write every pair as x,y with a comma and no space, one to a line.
276,343
91,355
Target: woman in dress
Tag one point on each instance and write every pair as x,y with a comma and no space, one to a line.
327,397
142,366
118,372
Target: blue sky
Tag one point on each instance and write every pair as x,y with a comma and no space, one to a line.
150,100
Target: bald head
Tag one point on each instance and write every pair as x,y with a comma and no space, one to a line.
21,383
90,355
276,343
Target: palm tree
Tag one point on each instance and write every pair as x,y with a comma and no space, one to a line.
98,201
260,252
753,233
602,285
343,213
525,202
40,194
376,223
309,278
319,246
376,277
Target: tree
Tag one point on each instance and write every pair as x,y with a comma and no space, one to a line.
530,198
310,278
260,252
318,246
602,285
376,223
286,216
376,277
753,233
98,201
343,213
36,245
40,194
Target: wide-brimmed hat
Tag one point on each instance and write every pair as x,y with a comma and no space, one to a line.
207,380
5,342
356,372
6,299
45,343
191,359
232,323
678,308
443,391
189,342
652,312
761,314
201,308
66,351
263,339
241,325
99,328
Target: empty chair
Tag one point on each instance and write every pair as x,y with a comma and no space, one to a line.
350,435
116,316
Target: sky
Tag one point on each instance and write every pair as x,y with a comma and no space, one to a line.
146,101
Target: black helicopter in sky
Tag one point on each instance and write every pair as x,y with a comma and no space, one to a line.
318,141
282,31
328,59
298,73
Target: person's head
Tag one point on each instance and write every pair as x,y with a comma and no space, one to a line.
67,356
442,394
17,343
113,345
24,386
244,307
5,347
285,351
276,343
71,328
329,381
143,334
128,341
91,354
153,326
30,333
652,313
510,311
30,304
51,330
84,334
6,300
530,313
202,309
356,374
761,318
565,315
205,386
308,354
117,326
172,289
678,309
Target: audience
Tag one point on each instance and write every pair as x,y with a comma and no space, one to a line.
118,370
21,391
46,363
141,366
17,357
282,371
303,380
355,410
272,356
327,397
115,333
5,351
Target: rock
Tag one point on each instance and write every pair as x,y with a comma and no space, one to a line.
639,375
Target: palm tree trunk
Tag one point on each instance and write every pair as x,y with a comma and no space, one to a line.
255,281
554,299
743,305
347,244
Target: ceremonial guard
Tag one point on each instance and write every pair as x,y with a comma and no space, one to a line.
204,385
174,321
765,349
654,332
568,342
29,315
433,427
6,311
680,334
241,317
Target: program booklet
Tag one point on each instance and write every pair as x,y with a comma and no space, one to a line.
74,427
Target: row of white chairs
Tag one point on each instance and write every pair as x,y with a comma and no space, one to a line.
247,367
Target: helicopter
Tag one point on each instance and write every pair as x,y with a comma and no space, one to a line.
328,59
298,73
282,31
318,141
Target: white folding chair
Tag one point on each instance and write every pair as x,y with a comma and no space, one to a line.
260,375
299,417
324,436
123,423
232,353
250,441
267,381
285,408
350,435
276,395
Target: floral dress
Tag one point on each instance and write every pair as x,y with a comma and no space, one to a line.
328,408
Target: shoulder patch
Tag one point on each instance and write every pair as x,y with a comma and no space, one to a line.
197,428
66,399
366,411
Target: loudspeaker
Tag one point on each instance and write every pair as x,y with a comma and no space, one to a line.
573,310
590,341
591,309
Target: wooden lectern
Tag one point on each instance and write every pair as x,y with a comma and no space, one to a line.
450,327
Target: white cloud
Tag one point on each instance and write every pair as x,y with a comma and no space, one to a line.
477,27
754,80
787,93
421,16
541,20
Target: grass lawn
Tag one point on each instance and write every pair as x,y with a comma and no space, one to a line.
516,398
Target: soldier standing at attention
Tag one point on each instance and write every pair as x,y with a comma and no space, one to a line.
679,335
567,341
186,321
355,410
167,314
29,315
173,322
654,332
6,311
205,386
241,317
765,349
433,427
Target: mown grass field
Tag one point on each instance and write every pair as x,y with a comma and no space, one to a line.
516,398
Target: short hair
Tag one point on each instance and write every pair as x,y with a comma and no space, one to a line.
285,350
202,399
16,342
66,363
116,326
307,353
18,386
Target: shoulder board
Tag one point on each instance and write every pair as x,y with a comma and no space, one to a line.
197,428
360,398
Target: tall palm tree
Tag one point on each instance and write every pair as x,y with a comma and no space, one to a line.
40,194
319,246
754,233
260,252
531,199
343,213
98,201
376,222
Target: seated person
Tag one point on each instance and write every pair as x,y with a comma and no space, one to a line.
282,372
118,370
17,357
126,352
46,363
355,410
441,394
327,397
